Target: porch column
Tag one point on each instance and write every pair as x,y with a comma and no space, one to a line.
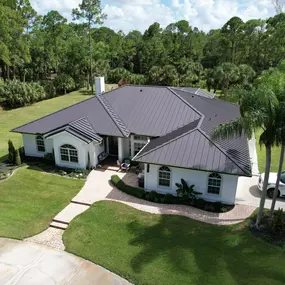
132,146
107,145
120,149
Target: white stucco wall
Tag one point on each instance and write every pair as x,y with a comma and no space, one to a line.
198,178
30,146
98,149
82,148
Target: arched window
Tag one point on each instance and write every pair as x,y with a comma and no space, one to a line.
214,183
40,144
164,176
68,153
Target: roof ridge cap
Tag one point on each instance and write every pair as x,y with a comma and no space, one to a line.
168,142
187,103
113,115
217,145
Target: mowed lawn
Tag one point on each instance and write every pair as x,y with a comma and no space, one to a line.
275,155
16,117
166,250
30,199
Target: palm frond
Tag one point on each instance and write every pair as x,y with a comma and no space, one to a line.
228,130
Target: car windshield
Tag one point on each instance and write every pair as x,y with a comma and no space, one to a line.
282,178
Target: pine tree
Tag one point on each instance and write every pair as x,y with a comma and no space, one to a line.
17,158
11,152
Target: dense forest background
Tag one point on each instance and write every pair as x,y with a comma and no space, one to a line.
37,48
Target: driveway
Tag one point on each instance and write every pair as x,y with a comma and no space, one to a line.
248,194
24,263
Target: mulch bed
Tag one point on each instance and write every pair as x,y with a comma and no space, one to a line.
266,233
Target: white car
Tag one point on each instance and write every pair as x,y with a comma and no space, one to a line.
271,184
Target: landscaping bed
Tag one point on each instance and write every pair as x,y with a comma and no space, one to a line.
6,170
53,169
155,197
166,249
270,231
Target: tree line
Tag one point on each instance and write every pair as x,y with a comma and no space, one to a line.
34,48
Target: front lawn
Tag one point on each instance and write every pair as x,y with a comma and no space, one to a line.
30,199
160,249
275,155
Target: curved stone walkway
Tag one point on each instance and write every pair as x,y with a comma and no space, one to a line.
98,188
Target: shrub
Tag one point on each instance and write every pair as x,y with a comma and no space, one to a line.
169,199
19,94
81,82
137,192
17,158
49,157
153,195
200,203
185,192
210,207
115,75
49,88
64,83
11,152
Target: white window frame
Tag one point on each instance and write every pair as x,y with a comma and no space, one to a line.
140,138
214,181
69,153
40,142
164,170
139,145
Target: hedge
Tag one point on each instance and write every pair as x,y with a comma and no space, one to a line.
120,184
19,94
155,197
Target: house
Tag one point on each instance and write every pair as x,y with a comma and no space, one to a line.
167,130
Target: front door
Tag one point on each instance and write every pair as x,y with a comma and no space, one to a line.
113,145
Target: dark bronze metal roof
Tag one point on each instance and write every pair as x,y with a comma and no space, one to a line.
180,120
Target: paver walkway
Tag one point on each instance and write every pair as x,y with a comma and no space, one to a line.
31,264
98,187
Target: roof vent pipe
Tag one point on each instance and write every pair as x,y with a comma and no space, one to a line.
100,85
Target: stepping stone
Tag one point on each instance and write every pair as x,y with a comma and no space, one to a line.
69,213
58,225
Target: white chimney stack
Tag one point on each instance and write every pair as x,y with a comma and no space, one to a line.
100,85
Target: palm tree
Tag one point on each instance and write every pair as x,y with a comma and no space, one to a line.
227,73
258,110
280,139
155,75
246,74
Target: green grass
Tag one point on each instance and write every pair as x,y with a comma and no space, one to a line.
16,117
160,249
30,199
261,155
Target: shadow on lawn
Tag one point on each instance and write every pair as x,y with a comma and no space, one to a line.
85,92
205,252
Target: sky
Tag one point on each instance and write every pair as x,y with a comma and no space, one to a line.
127,15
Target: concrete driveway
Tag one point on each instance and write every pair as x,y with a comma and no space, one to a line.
249,194
24,263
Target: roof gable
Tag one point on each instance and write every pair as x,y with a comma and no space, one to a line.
194,150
